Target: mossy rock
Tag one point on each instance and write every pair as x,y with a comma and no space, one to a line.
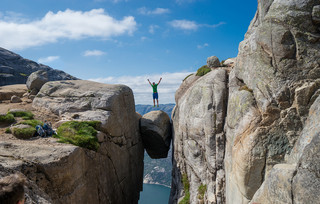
79,133
203,70
23,131
26,115
7,118
32,123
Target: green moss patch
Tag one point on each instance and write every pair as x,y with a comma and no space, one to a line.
26,115
23,133
201,191
32,123
7,119
187,77
8,131
79,133
186,188
203,70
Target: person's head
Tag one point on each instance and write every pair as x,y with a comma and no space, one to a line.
153,83
12,189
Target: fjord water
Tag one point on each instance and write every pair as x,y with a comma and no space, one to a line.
154,194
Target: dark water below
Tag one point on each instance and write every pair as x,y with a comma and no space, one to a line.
154,194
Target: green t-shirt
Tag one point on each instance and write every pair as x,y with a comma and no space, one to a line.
154,87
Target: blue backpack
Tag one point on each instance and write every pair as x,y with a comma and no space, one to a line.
40,131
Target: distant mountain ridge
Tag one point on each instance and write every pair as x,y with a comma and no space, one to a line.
143,109
15,69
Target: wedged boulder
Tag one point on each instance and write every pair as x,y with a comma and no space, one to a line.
213,62
155,128
6,92
229,62
36,80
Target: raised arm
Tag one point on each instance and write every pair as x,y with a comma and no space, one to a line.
149,81
159,80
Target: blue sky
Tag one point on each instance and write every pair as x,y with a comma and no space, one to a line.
126,41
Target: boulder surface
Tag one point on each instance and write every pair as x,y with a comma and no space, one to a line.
155,128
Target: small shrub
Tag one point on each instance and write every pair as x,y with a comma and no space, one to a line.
82,134
203,70
8,118
246,88
186,188
26,115
8,131
187,77
24,133
32,123
201,191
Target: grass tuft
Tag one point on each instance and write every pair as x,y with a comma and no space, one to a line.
24,133
7,119
32,123
187,77
201,191
26,115
8,131
186,187
79,133
203,70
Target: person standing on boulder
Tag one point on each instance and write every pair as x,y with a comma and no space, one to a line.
155,92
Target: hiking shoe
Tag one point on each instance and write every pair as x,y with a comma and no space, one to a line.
157,105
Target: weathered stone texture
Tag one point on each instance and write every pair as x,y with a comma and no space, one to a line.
198,138
69,174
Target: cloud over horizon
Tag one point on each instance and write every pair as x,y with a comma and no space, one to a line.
48,59
68,24
156,11
188,25
142,90
89,53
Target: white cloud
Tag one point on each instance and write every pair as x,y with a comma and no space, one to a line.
48,59
191,25
203,46
157,11
66,24
152,28
143,91
89,53
184,24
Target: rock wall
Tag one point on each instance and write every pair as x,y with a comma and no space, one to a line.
199,139
271,136
64,173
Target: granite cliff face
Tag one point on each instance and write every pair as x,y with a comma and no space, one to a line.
63,173
263,138
15,70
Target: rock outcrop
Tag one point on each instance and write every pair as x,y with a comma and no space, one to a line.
6,92
213,62
15,70
155,128
69,174
271,134
199,139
